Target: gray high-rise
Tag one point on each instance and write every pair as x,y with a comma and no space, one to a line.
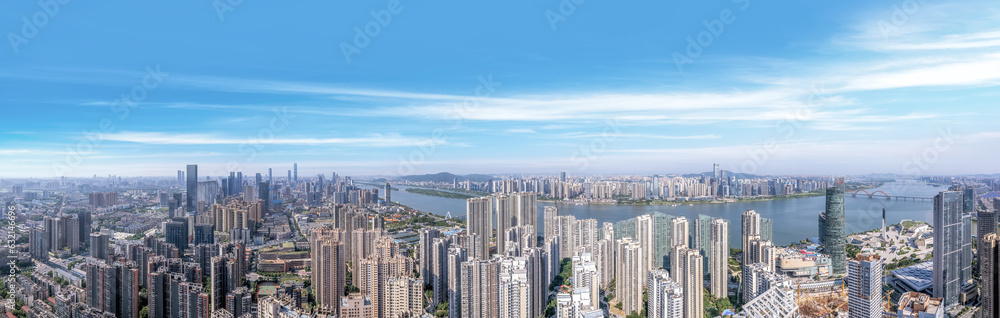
192,189
832,228
948,206
987,224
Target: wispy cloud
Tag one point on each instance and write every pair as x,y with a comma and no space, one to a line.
160,138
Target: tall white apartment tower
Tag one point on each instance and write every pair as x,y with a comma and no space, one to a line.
864,283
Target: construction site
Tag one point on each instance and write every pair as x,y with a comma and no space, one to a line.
832,303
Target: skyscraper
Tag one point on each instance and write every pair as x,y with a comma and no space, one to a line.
192,189
628,277
692,281
549,221
479,215
833,226
480,287
180,177
864,282
750,228
515,290
719,258
177,233
388,194
328,272
989,261
99,246
947,246
426,252
679,231
986,224
295,168
644,232
965,263
666,298
456,256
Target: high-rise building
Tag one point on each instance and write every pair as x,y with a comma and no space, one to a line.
192,190
965,263
295,167
947,247
833,227
99,246
177,233
328,267
439,270
666,297
680,232
750,227
692,281
985,225
404,297
515,289
264,193
180,177
479,215
718,258
549,221
38,244
204,234
456,256
864,283
629,276
426,252
480,288
388,194
645,234
989,261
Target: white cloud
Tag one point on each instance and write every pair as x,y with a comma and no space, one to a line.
161,138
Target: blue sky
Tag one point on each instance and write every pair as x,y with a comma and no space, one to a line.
499,87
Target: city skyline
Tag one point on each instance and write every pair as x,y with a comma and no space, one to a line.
868,87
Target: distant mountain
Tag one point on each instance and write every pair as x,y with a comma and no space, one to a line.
446,177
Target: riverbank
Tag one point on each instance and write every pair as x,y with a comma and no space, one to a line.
438,193
814,193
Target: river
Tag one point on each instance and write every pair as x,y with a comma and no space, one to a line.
794,219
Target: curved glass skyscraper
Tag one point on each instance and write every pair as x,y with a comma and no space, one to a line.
832,228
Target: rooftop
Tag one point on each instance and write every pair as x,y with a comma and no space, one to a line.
918,277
